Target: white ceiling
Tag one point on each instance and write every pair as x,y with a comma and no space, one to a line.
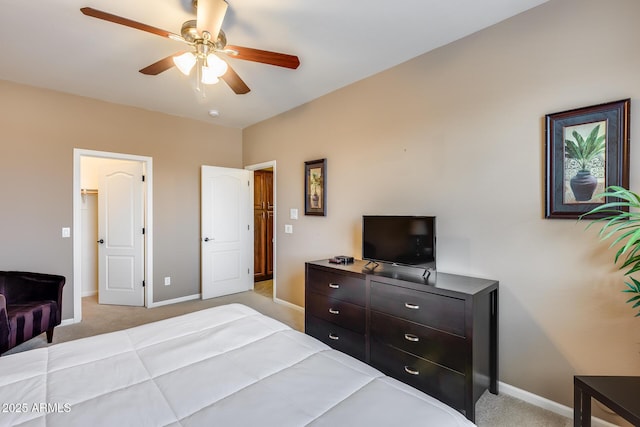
50,44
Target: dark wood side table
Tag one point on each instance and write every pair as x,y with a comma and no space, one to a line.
620,394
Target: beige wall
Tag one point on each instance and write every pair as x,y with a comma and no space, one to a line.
39,130
459,133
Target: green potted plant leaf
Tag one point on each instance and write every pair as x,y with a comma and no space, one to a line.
624,228
315,181
583,184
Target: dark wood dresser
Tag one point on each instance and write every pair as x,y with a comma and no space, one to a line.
438,334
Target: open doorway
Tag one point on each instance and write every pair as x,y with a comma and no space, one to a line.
264,228
88,250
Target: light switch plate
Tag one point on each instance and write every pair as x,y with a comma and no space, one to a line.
288,229
66,232
293,213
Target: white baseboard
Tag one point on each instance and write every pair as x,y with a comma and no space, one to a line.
288,304
173,301
66,322
547,404
89,293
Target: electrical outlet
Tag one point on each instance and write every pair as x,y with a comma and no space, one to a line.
167,281
288,228
293,213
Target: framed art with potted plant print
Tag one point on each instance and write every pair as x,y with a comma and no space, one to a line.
587,150
315,187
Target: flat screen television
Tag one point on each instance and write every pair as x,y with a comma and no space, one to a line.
400,240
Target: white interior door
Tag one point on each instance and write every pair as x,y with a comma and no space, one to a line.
120,234
227,231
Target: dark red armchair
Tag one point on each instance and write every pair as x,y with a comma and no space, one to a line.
30,304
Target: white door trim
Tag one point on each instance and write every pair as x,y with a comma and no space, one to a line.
266,165
77,223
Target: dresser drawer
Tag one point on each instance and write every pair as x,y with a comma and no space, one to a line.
338,286
431,344
437,311
341,313
334,336
438,381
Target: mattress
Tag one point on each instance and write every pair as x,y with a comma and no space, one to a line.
224,366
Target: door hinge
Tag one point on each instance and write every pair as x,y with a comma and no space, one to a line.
142,230
248,271
142,178
248,183
143,284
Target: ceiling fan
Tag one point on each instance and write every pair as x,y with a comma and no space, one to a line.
206,39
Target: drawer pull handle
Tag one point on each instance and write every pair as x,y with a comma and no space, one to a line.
411,337
411,306
334,337
411,371
332,311
334,286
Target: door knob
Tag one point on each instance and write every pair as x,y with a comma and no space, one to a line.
206,239
101,241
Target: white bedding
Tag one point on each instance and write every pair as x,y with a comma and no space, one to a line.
224,366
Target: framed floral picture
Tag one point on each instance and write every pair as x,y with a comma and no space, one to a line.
315,187
587,150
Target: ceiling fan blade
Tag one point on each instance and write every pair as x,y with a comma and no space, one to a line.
160,66
210,14
265,57
235,82
129,23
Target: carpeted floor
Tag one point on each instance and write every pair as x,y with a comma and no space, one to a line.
491,410
264,287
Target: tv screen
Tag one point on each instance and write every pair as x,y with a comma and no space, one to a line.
402,240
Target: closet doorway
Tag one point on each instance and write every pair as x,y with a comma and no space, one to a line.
264,201
112,228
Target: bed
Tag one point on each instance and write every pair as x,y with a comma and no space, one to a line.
223,366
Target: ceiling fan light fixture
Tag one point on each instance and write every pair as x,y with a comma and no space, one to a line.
217,65
209,76
185,62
